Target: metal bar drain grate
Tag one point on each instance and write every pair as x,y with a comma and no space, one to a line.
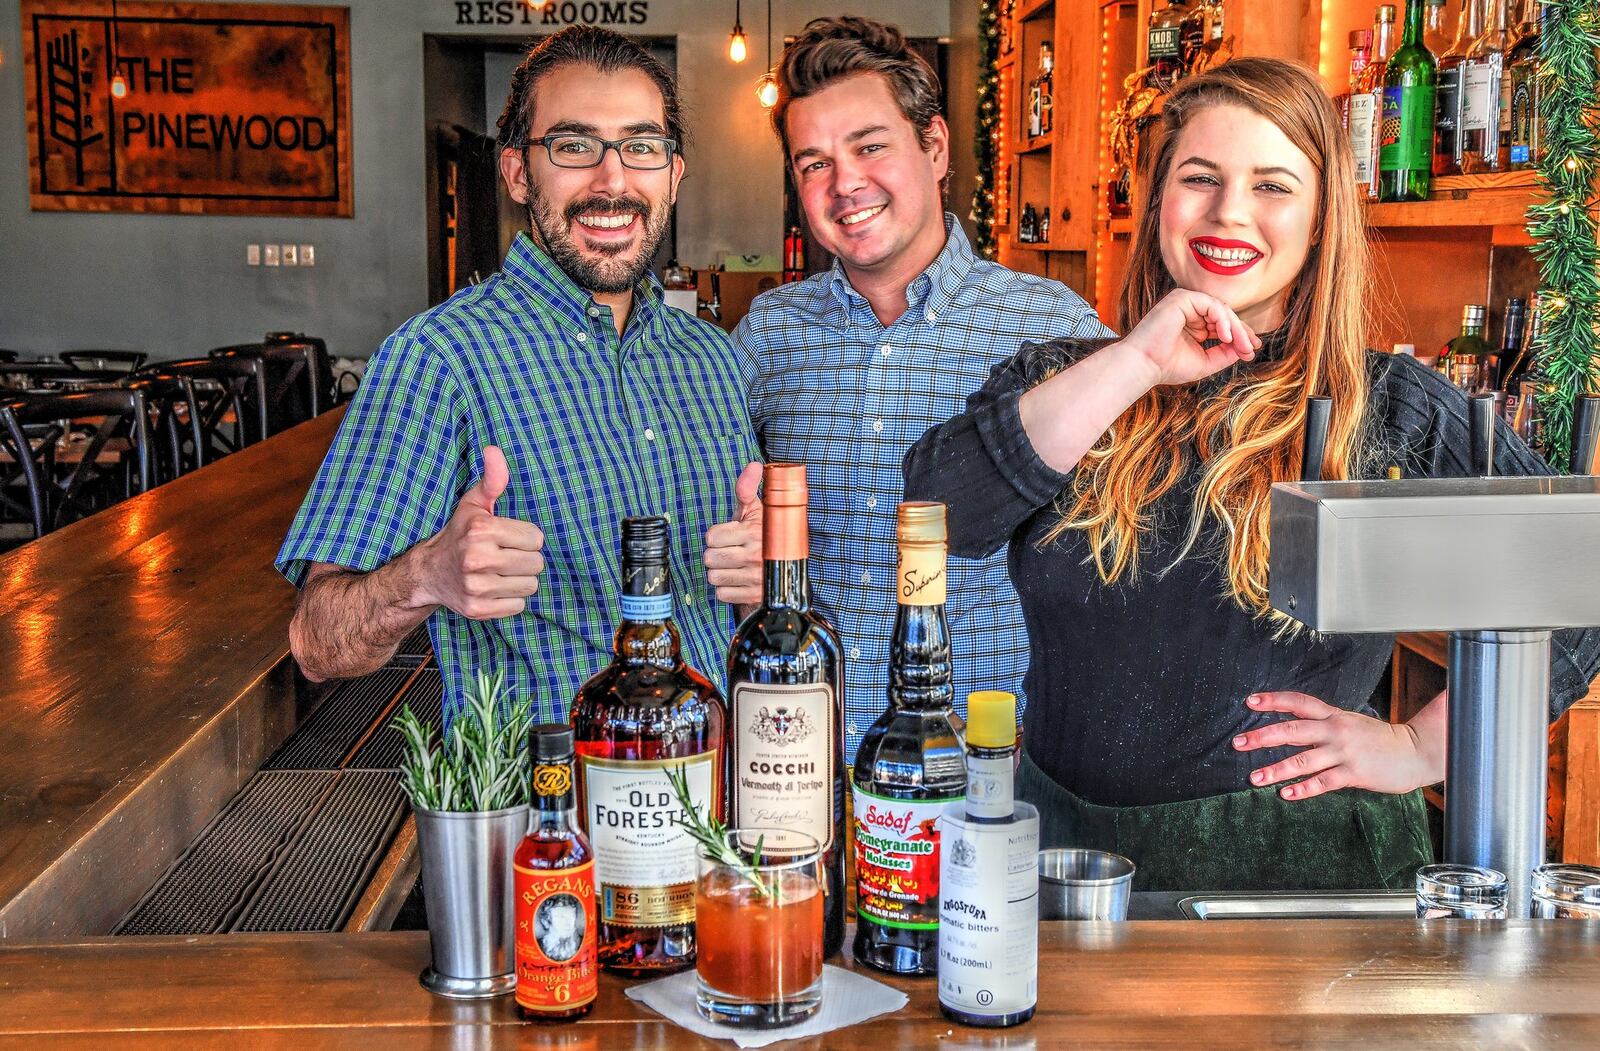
333,729
416,648
383,749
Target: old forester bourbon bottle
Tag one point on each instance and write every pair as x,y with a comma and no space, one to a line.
909,765
786,687
645,712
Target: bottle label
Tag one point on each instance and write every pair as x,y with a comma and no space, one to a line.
645,862
897,859
1522,119
647,607
1363,108
556,939
919,576
1480,90
1448,93
989,914
783,766
1165,42
1407,137
989,786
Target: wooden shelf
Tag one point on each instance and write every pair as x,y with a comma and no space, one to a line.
1497,200
1028,10
1031,246
1041,144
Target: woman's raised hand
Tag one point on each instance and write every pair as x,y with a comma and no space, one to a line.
1176,337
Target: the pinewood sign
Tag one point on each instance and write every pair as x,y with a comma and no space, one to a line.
198,108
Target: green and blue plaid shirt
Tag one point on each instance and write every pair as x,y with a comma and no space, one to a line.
594,428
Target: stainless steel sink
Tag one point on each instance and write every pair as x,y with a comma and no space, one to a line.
1300,905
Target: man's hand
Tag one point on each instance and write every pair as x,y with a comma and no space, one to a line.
481,566
1345,749
733,549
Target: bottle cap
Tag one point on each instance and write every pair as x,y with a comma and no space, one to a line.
1473,314
644,539
1386,13
921,522
551,741
784,485
1361,38
991,719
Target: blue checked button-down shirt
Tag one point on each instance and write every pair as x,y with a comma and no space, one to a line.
847,396
594,427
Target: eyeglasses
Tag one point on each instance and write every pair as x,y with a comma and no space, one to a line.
639,152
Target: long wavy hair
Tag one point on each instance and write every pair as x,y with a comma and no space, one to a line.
1245,426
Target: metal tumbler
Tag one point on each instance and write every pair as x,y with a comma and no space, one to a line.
467,888
1076,884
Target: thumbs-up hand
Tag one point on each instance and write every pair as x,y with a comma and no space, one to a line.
733,549
481,566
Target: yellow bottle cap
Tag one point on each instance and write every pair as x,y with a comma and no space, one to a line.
991,719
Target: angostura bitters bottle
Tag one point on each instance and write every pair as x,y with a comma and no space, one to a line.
557,969
646,712
786,692
909,765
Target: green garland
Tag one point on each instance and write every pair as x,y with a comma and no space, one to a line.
1562,221
986,142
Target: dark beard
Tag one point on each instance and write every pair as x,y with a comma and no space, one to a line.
614,273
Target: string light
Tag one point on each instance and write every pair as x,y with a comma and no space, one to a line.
737,47
767,89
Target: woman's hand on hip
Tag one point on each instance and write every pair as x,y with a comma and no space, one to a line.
1341,749
1172,338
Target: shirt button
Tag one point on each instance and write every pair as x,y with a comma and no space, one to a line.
583,337
855,654
594,311
866,577
931,314
886,350
853,728
872,501
649,435
877,425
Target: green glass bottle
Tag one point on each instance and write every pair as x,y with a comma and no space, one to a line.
1405,158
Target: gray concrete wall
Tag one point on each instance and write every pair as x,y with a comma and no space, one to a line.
177,285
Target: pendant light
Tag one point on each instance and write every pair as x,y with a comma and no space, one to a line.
737,46
767,89
119,83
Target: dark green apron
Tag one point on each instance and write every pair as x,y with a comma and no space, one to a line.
1250,840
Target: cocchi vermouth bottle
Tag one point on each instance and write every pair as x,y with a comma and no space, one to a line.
909,766
785,692
557,967
645,712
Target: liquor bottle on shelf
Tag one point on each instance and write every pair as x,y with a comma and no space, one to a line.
989,880
1366,104
647,711
1508,359
1436,31
909,765
1447,126
1522,73
1481,74
794,255
1469,352
1213,25
1405,158
1047,91
1035,122
786,689
1119,192
1164,45
1028,225
558,971
1360,50
1044,226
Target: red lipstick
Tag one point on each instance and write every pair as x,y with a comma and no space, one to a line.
1217,266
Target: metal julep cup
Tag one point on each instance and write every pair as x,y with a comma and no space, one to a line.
468,891
1077,884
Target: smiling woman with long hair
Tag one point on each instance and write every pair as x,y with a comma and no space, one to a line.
1172,716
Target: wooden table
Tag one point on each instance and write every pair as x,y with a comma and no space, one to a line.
1153,984
146,676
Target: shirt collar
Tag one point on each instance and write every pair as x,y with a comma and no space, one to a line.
538,275
930,291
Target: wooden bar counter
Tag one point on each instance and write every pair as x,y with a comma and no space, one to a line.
1147,984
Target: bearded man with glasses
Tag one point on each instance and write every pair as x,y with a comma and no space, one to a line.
478,479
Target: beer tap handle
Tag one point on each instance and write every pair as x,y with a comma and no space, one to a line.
1319,410
1480,432
1585,433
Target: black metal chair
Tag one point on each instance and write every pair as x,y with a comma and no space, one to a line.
105,360
297,384
221,385
333,394
8,355
58,493
178,442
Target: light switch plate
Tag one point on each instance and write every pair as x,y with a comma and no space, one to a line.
252,255
291,255
270,255
308,255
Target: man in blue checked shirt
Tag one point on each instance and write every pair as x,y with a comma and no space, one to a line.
479,476
850,367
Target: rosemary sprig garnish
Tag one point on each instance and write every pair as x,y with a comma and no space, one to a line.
481,764
712,835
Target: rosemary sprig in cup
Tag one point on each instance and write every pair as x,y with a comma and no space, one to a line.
712,835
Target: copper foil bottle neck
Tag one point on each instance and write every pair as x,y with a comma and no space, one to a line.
785,497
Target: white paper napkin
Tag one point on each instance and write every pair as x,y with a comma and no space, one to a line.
847,998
